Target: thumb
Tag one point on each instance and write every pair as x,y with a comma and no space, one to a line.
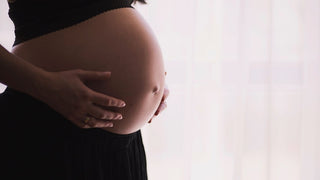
94,75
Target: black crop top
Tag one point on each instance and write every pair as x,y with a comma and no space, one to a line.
33,18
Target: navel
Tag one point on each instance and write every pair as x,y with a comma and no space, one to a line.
156,89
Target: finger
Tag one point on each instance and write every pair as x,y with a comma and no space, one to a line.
103,124
98,123
100,113
81,124
93,75
151,119
105,100
161,107
165,94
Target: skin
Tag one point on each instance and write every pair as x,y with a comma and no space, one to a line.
142,88
68,85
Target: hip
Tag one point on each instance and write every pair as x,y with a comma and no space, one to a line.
38,143
26,119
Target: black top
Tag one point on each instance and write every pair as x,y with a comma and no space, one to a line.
33,18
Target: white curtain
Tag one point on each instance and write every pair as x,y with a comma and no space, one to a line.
244,81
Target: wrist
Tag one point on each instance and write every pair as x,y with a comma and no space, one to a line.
39,84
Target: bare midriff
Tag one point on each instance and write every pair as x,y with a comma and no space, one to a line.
119,41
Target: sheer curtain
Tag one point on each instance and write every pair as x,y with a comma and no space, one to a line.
244,81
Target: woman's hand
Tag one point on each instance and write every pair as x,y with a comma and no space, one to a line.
67,94
64,91
163,103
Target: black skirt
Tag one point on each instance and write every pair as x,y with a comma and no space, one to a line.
38,143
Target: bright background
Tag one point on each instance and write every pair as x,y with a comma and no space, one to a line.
244,81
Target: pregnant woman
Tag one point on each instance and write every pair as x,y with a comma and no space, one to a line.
61,118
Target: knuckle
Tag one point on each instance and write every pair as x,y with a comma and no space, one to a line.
113,115
102,116
107,116
110,102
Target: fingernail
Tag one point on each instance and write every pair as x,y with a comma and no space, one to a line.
122,104
110,124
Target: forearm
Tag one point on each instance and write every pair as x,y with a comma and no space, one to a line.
19,74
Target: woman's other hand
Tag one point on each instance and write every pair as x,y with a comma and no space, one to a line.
67,94
163,103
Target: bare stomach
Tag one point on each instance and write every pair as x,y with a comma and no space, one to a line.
119,41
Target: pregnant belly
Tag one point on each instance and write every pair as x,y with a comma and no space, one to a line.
119,41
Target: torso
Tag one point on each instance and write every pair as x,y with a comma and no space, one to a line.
119,41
